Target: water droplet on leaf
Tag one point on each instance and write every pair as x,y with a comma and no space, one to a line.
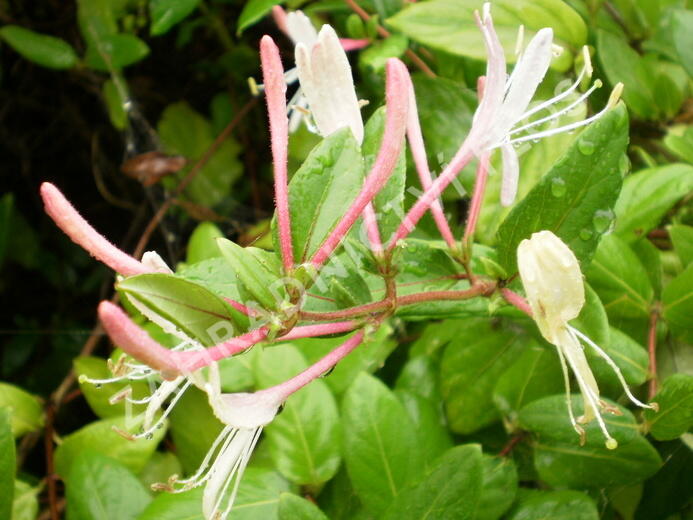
602,220
586,234
586,147
558,187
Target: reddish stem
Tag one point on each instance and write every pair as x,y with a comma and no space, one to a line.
477,199
517,301
371,223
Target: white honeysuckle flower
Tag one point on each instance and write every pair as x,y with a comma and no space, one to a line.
244,415
506,99
555,290
152,260
326,81
300,29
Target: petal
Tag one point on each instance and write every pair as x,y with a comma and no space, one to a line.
511,173
325,77
300,29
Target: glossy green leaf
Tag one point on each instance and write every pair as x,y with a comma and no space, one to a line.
592,320
682,238
25,505
451,489
257,271
115,51
623,64
305,439
192,308
683,38
7,464
98,396
561,461
322,189
258,495
202,244
159,468
575,199
536,373
26,411
193,428
675,415
186,132
165,14
449,25
651,258
99,488
293,507
648,195
170,506
375,56
379,441
47,51
620,279
253,11
677,299
556,505
389,202
369,356
471,365
429,423
99,437
445,111
499,488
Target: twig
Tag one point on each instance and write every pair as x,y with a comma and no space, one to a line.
508,448
421,64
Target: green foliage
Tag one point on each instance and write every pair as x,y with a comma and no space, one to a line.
7,463
42,49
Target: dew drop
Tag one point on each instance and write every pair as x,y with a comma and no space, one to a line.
586,234
558,187
586,147
602,220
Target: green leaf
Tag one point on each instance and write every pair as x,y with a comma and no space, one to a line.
99,488
682,238
293,507
629,356
651,258
429,423
622,64
256,271
258,495
380,443
199,313
99,437
98,396
471,365
165,14
26,411
576,198
683,38
203,243
620,279
450,490
193,428
47,51
648,195
170,506
499,488
375,56
561,461
321,191
677,299
305,439
675,415
253,11
556,505
445,110
186,132
8,464
449,25
389,202
115,103
592,320
160,466
536,373
115,51
369,356
25,505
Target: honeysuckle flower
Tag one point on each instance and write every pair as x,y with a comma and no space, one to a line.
505,101
553,282
244,415
325,76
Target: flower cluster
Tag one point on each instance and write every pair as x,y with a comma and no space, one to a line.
327,101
